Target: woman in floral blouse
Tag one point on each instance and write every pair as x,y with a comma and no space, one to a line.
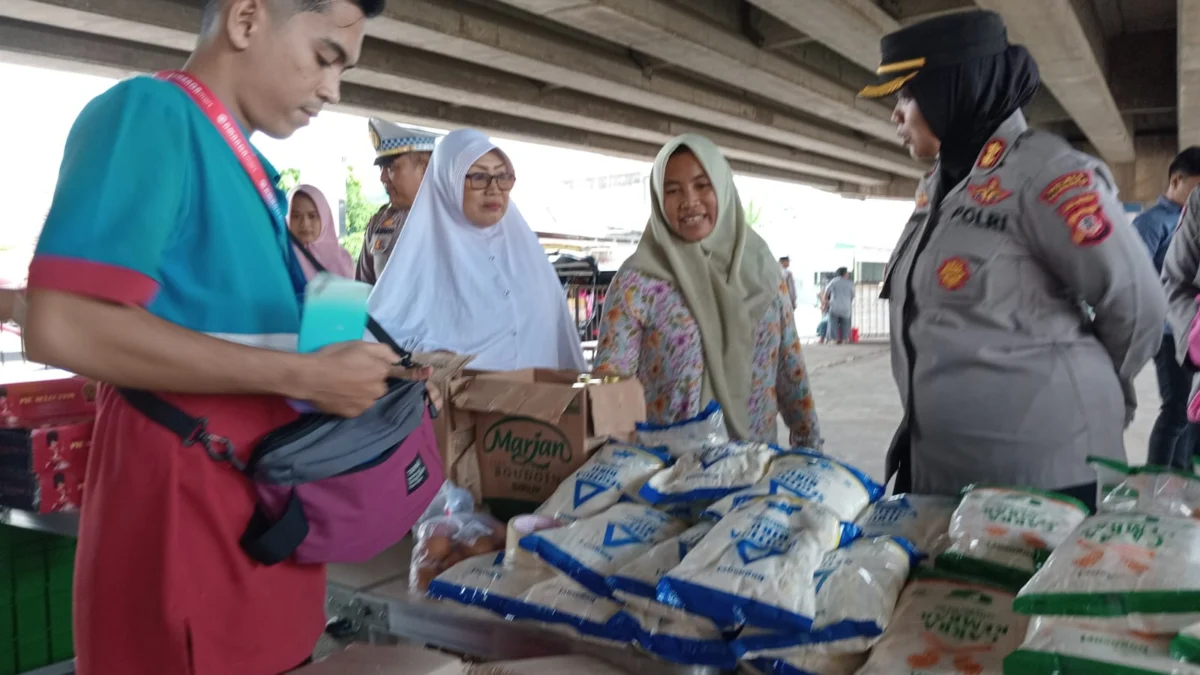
701,312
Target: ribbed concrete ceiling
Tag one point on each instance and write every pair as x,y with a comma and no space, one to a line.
771,81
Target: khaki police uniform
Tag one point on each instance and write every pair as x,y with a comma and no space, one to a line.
1003,376
383,230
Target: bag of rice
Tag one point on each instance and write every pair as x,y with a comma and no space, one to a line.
841,488
1151,490
802,662
1005,534
561,601
593,549
948,626
756,565
686,436
639,579
1055,645
857,588
485,581
923,520
1127,571
714,472
677,636
616,470
1186,645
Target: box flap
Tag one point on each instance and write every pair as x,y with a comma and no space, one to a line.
545,402
616,408
554,665
362,659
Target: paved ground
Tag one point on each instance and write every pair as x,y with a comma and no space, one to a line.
859,408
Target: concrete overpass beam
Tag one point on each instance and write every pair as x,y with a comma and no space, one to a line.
1188,55
38,44
675,35
1065,38
852,28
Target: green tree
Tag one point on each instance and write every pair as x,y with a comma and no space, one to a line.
358,213
753,215
289,179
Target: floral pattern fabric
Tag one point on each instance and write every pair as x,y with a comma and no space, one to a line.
648,332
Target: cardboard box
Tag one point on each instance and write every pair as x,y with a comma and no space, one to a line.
515,436
29,403
361,659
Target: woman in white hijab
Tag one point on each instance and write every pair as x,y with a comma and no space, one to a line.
701,311
468,275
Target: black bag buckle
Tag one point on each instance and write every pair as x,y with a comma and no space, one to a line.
218,448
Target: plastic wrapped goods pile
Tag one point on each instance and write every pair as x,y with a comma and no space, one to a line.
1121,591
774,576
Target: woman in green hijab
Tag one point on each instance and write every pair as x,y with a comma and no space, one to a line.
700,312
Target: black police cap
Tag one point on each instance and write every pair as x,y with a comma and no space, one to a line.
942,41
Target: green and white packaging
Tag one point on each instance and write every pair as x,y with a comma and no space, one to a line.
1127,571
1186,645
1055,646
1150,490
1004,534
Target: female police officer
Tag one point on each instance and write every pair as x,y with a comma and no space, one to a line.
1004,377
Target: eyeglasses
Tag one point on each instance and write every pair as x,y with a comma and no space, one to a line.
482,181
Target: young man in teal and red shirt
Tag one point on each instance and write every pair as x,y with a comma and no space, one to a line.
163,266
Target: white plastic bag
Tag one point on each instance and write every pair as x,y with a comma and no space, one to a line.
639,579
686,436
714,472
839,487
856,592
593,549
1005,534
1143,565
561,601
1055,645
1150,490
945,626
923,520
677,636
756,566
485,581
615,470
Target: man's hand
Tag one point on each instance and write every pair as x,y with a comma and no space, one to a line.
347,378
422,373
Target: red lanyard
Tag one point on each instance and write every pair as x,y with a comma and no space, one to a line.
218,114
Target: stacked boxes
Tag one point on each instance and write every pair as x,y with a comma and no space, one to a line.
36,570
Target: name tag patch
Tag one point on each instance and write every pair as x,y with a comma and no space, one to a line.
415,475
1064,184
978,217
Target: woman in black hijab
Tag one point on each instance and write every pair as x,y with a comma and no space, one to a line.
1004,377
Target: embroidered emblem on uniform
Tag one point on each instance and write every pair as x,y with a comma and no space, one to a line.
378,245
1064,184
953,273
922,200
1085,217
990,193
990,155
387,223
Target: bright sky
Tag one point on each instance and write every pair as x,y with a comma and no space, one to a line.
802,222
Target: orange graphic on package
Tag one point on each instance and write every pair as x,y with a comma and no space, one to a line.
953,273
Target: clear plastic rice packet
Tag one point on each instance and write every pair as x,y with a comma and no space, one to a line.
686,436
1152,490
1125,571
1004,534
1056,645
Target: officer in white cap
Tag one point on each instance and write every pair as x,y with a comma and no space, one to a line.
402,155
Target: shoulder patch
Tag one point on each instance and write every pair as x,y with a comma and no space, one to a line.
989,193
991,153
1085,218
1064,184
922,199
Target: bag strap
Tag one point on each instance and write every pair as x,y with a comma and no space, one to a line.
372,325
